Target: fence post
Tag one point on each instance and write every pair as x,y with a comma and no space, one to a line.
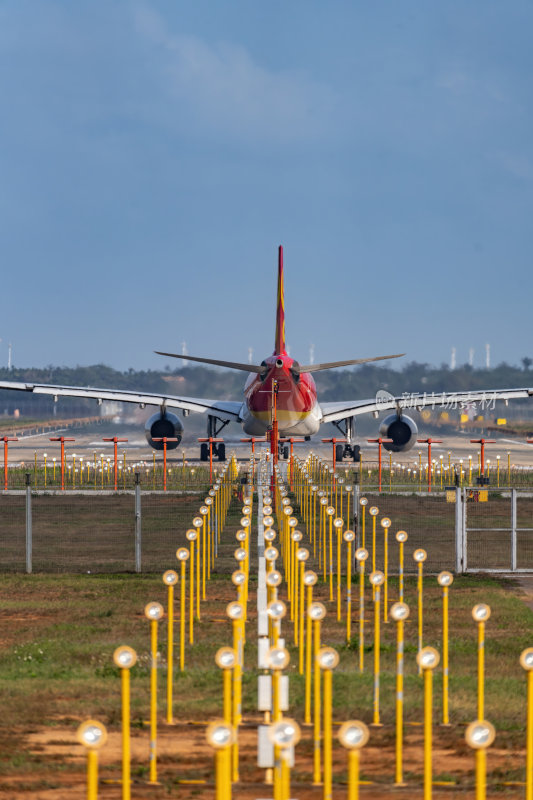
137,522
459,531
513,530
28,525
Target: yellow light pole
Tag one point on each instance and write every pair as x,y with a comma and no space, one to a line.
192,537
276,610
401,538
479,735
199,522
314,490
125,658
322,501
296,538
480,614
153,612
328,658
526,662
226,658
338,524
349,537
284,734
445,579
330,511
92,735
221,737
363,502
353,735
278,660
376,579
374,511
427,659
385,524
206,549
399,612
361,555
235,612
302,554
170,579
316,612
420,556
310,578
182,554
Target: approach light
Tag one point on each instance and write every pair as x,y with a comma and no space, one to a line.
153,611
328,658
219,734
92,734
225,658
353,734
278,658
481,612
285,733
125,657
480,734
427,658
316,611
376,578
310,577
445,578
399,611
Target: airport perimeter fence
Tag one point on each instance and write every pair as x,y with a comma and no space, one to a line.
463,529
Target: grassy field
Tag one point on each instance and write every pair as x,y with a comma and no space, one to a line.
59,633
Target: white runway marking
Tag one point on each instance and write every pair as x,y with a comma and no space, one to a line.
35,435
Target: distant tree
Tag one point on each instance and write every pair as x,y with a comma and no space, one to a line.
527,362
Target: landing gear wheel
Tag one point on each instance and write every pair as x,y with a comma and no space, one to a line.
356,453
221,451
286,451
204,452
339,452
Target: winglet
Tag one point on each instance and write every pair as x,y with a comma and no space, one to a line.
279,345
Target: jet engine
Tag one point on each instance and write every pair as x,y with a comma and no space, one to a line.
160,425
401,429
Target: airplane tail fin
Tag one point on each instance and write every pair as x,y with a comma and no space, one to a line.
279,345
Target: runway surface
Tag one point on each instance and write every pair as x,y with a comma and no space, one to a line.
89,439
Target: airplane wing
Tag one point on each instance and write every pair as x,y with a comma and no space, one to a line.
416,401
221,408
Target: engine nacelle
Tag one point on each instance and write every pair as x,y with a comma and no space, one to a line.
160,425
402,430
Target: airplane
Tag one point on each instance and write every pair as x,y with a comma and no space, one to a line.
298,410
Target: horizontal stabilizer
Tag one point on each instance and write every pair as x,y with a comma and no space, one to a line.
333,364
216,362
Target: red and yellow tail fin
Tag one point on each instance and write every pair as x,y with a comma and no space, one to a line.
279,345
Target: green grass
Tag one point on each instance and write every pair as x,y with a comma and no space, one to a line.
59,633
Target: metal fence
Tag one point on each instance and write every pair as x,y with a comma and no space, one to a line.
464,529
93,532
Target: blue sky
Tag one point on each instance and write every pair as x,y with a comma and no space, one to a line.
154,154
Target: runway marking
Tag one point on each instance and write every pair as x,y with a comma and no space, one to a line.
514,441
34,435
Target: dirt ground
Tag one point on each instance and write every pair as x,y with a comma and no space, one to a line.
176,770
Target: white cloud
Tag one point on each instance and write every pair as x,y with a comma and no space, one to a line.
221,88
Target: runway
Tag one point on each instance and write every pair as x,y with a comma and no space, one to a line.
88,440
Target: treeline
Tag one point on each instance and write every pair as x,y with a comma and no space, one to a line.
360,382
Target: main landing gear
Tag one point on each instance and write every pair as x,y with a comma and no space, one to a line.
219,448
347,450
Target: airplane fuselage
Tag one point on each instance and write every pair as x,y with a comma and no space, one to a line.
297,409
